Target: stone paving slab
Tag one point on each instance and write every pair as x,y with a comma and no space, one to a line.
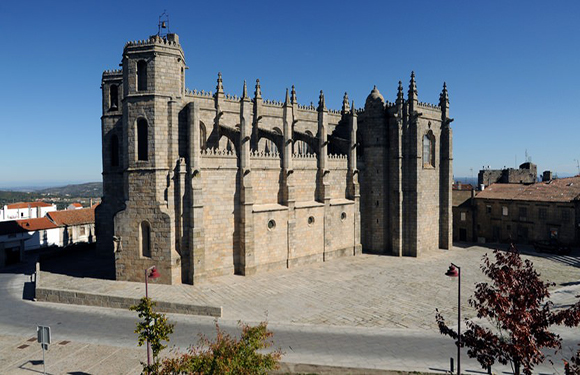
361,291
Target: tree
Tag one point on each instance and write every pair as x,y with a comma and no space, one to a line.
227,355
152,328
516,304
572,367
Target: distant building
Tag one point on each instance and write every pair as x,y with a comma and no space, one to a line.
25,210
58,228
74,206
77,225
463,212
526,213
526,174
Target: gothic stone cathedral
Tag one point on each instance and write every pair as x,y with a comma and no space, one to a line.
202,184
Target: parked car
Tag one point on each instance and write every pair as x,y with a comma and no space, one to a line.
552,247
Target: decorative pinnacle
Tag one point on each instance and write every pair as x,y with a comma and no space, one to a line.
352,109
293,97
220,86
400,96
413,86
287,99
444,97
345,106
258,92
321,105
245,91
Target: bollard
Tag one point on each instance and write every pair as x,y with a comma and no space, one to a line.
451,365
489,370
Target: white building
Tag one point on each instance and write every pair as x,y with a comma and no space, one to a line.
58,228
25,210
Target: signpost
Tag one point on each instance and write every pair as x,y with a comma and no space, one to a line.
43,336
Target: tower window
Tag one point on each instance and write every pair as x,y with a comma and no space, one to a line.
114,97
145,239
429,150
142,140
114,151
141,75
202,136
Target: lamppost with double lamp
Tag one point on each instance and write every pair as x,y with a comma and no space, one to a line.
152,273
455,271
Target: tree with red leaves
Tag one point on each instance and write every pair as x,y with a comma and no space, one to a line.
516,304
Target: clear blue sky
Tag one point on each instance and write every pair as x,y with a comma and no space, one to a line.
512,69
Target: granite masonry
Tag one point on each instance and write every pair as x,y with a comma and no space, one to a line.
202,184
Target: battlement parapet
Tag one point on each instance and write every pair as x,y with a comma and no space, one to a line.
171,40
273,103
337,156
112,72
202,93
264,155
216,152
429,105
303,156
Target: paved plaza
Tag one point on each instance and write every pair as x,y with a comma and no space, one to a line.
362,291
368,312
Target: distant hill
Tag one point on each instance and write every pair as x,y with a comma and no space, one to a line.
88,190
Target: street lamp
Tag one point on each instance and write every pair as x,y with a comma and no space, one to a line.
455,271
152,273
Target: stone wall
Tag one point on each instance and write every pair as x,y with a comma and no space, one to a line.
524,221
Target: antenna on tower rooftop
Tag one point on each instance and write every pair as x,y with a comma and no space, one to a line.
163,26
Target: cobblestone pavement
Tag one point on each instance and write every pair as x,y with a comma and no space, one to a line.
361,291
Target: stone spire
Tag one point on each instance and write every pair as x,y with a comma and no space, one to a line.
353,110
258,91
245,91
400,95
293,97
444,97
321,104
412,88
220,87
287,99
345,106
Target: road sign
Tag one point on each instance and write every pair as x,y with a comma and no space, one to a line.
43,334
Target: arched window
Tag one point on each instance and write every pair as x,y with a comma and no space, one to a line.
114,97
114,150
141,75
142,140
429,150
145,239
202,136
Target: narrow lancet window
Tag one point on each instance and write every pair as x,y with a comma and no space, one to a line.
429,150
114,151
145,239
114,97
142,140
142,75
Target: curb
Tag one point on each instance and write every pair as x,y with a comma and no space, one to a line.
47,294
304,368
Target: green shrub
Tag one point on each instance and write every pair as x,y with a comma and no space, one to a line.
226,354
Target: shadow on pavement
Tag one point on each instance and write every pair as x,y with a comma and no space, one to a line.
80,260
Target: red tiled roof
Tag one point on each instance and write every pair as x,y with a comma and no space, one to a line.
26,225
36,224
559,190
73,217
77,205
27,204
